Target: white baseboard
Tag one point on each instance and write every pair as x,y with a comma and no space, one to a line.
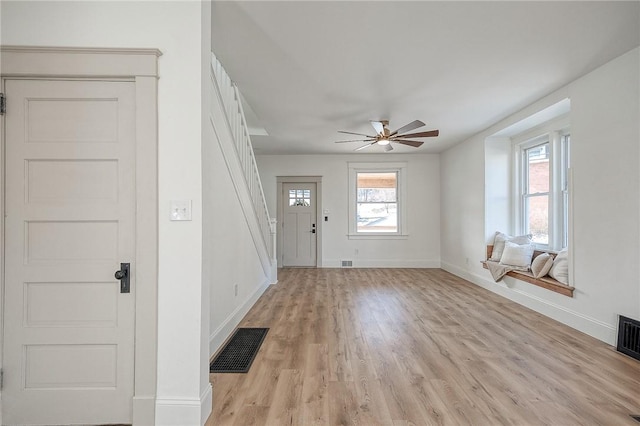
206,404
184,411
224,330
383,263
591,326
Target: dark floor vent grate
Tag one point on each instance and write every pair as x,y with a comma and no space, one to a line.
240,351
629,337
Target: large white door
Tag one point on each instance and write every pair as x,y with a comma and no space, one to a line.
299,226
68,329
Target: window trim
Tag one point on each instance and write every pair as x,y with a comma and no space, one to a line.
564,182
400,168
553,132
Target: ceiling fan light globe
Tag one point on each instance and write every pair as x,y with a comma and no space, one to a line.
383,142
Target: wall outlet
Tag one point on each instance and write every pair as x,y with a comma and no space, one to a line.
235,289
466,260
356,252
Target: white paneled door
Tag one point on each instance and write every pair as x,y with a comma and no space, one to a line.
70,210
299,226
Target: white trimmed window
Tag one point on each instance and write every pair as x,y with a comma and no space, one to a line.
542,174
377,197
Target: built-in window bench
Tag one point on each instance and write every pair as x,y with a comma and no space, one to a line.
544,282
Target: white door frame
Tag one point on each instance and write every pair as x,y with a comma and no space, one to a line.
319,218
141,67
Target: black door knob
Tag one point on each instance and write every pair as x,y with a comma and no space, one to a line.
123,276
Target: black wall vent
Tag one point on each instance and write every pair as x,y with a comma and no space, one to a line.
347,263
629,337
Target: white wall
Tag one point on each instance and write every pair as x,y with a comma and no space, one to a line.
605,139
175,29
230,255
421,249
498,178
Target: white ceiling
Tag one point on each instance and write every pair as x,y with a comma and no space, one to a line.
308,69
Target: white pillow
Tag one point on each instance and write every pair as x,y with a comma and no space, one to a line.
541,265
500,239
517,255
560,269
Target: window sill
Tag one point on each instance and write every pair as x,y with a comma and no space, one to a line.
377,236
545,282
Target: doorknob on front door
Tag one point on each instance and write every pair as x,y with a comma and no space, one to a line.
123,276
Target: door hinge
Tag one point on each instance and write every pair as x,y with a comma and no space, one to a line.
3,104
1,378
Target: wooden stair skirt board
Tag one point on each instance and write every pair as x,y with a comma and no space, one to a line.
544,282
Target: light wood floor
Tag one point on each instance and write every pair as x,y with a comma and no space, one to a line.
418,346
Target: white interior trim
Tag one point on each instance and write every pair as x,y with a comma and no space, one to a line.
184,411
319,215
140,65
402,181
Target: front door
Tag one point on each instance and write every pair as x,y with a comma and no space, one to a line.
299,226
70,215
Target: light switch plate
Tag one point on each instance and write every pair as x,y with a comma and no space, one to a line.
180,210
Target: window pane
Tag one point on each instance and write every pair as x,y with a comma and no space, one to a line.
372,195
300,202
538,169
377,217
377,187
300,197
537,214
376,197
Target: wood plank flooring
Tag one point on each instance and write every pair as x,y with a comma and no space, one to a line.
418,347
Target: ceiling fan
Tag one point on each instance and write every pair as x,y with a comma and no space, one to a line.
385,137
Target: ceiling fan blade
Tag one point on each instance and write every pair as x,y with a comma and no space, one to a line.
411,126
414,144
359,134
388,148
429,134
356,140
378,126
366,146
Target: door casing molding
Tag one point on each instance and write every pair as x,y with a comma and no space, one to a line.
319,217
141,67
